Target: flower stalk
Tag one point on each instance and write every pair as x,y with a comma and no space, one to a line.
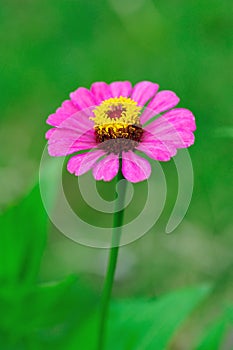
112,262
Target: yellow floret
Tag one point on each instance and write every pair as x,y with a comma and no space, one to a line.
129,114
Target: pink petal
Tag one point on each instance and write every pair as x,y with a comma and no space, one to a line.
66,110
74,134
143,91
81,163
135,168
121,88
181,118
158,150
174,129
106,169
101,91
163,101
83,98
78,122
65,144
49,133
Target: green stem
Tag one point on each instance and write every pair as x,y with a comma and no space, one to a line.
112,262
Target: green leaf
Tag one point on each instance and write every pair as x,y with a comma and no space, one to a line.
26,310
86,336
22,240
141,324
150,324
213,338
67,316
47,315
32,315
44,306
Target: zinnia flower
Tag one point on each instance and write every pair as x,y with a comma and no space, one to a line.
117,121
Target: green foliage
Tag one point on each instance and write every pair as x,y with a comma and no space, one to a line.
150,324
213,338
46,315
34,315
137,324
22,240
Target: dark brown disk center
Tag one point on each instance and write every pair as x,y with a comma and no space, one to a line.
118,139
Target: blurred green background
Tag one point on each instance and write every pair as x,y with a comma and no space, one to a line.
48,49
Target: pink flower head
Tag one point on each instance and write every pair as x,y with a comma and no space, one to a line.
113,121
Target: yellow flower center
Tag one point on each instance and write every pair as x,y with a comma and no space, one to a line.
117,110
117,124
